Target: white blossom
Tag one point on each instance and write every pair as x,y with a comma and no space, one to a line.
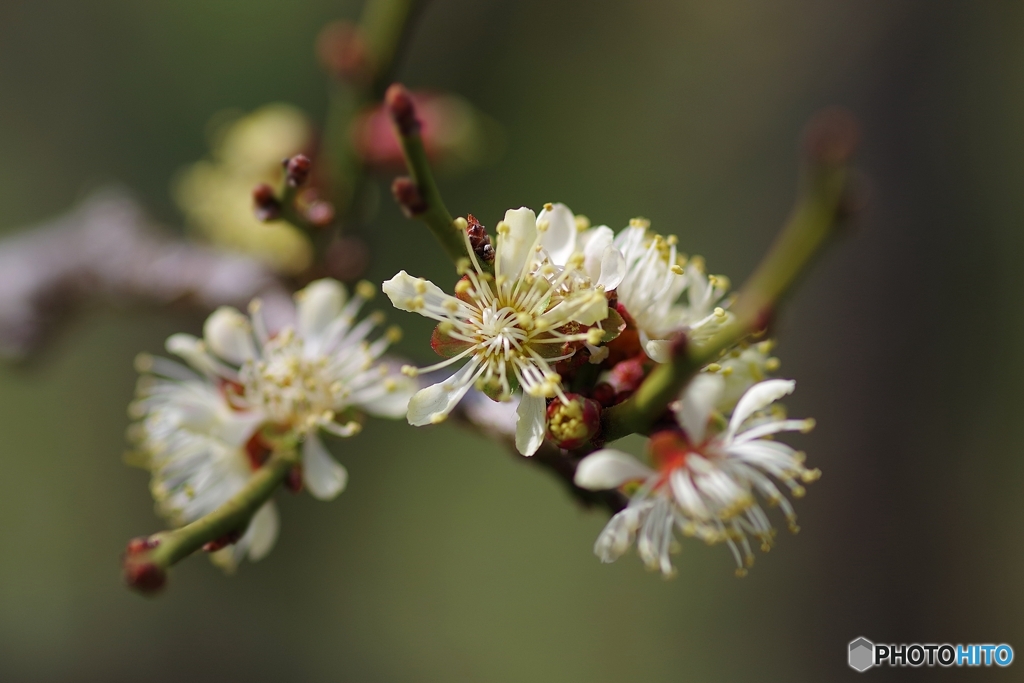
655,279
510,327
203,430
706,478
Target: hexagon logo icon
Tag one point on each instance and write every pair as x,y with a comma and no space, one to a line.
862,654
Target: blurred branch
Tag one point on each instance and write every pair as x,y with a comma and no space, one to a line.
105,250
418,195
824,203
147,560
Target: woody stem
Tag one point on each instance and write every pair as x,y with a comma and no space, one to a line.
822,204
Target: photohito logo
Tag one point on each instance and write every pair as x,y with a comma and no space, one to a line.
863,654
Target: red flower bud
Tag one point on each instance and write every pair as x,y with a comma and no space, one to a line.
297,169
266,204
572,424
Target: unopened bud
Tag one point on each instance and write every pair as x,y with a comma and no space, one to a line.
297,169
224,541
571,425
342,51
627,375
267,206
400,107
141,573
831,137
408,196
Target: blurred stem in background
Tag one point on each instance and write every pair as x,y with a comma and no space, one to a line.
360,59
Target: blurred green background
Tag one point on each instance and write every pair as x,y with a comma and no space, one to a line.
447,560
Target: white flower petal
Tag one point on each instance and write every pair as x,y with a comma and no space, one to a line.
393,402
613,269
694,408
658,350
759,396
321,473
263,531
192,351
618,534
436,401
530,424
609,469
408,293
229,335
515,246
560,238
318,305
603,262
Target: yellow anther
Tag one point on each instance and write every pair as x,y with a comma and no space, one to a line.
353,428
460,224
417,303
678,269
582,223
719,312
502,228
365,289
714,367
463,287
810,476
451,305
799,491
697,262
255,305
809,424
727,370
394,334
740,572
410,370
377,318
542,226
438,418
420,285
671,240
463,266
549,206
390,385
501,280
446,327
772,364
594,336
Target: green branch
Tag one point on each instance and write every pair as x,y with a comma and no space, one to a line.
147,561
418,195
822,204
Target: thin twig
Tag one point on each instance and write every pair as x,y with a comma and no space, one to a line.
822,205
106,251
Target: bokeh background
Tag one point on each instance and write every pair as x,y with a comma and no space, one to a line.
446,559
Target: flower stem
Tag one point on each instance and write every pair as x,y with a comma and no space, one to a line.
421,198
823,203
164,549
